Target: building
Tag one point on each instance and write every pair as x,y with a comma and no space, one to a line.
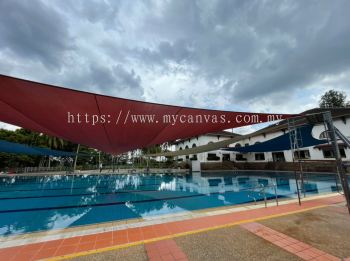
341,120
212,156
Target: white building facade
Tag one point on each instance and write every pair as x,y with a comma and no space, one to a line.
320,152
211,156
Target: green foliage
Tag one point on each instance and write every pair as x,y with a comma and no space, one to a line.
152,150
17,160
88,157
30,138
53,142
333,98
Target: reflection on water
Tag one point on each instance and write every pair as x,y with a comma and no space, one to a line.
55,202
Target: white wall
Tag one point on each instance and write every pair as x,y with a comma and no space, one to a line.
200,141
315,154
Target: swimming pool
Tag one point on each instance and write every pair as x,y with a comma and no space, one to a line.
35,203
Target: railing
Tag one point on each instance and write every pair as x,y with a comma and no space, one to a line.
261,190
33,169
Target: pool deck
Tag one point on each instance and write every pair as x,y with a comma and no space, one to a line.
103,172
77,242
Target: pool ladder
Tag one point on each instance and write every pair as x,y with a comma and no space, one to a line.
262,190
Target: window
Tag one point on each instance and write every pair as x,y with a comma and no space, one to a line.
238,145
259,156
212,156
323,135
278,157
194,156
329,153
187,156
302,154
246,145
225,157
239,157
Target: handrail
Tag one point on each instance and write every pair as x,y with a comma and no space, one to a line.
342,137
263,191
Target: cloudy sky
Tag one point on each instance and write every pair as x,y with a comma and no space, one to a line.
261,56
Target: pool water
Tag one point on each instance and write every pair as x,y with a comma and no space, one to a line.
36,203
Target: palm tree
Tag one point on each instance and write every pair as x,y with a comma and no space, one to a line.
53,143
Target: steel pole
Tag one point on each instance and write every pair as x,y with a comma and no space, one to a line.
343,177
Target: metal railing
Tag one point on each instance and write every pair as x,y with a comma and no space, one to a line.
33,169
261,191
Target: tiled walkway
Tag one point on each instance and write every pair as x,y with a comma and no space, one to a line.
296,247
95,243
165,250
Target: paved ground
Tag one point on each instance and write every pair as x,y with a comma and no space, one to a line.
230,244
136,253
222,244
327,229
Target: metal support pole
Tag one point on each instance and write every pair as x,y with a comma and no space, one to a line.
294,146
147,163
343,177
275,188
297,184
301,175
76,158
336,180
113,161
118,164
99,158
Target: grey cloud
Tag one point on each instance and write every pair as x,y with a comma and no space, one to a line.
111,80
116,77
101,76
324,50
241,50
5,67
178,51
126,78
264,46
94,11
34,30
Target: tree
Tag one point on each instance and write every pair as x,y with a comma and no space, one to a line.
152,150
53,142
333,98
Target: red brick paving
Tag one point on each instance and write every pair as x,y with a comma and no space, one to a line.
296,247
165,250
132,235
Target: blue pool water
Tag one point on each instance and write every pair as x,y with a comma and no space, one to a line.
30,204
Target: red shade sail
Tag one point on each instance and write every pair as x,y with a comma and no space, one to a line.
106,123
